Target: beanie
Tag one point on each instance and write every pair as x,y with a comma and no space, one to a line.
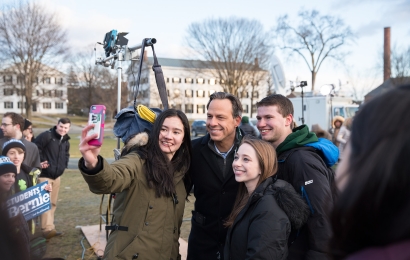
6,166
12,143
245,120
27,123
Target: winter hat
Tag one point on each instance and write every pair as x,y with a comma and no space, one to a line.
6,166
245,120
12,143
27,124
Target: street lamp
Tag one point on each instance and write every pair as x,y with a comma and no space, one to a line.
328,90
301,85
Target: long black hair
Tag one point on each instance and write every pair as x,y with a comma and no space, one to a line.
374,208
159,170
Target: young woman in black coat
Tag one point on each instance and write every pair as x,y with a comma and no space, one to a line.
265,210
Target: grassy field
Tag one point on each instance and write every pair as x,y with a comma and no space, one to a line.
76,207
109,144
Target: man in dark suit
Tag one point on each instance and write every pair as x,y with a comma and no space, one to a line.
211,171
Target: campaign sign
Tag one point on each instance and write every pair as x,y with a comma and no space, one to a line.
31,202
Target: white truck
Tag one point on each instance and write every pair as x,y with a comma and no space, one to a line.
321,110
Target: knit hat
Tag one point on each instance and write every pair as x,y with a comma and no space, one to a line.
6,166
27,123
12,143
245,120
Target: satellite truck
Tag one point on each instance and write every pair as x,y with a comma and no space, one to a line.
322,109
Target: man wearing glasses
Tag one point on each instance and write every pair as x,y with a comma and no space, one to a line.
12,125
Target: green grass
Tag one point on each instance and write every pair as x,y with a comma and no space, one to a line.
107,148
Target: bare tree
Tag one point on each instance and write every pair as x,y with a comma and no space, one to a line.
315,38
400,60
229,47
30,38
360,82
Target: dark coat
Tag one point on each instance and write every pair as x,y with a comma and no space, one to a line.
308,174
262,228
55,149
214,198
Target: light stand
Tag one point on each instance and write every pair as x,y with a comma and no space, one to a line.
301,85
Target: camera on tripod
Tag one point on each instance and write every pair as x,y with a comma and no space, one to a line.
303,84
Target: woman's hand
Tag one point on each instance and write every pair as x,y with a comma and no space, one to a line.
89,152
48,187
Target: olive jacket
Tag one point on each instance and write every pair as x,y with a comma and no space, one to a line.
153,223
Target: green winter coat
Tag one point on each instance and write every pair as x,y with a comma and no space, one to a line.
153,223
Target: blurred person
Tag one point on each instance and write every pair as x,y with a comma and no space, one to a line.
212,175
370,219
54,148
247,128
14,233
12,126
320,133
151,183
344,135
28,130
337,123
304,169
265,210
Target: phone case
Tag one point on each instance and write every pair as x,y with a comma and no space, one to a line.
97,117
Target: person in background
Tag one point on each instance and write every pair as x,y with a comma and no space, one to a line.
28,130
212,175
54,148
14,232
151,183
265,210
344,135
320,133
12,125
370,219
302,167
337,123
247,128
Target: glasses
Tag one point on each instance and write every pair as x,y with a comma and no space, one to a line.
3,124
30,129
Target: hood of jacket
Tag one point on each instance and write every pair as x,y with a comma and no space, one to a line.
337,118
287,198
299,137
137,140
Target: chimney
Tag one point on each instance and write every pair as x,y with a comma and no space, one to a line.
386,56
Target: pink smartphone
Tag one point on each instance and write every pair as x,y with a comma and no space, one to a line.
97,117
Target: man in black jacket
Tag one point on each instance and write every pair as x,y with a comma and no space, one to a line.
303,168
54,151
211,172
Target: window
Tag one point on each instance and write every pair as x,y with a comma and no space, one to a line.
245,108
256,94
8,91
167,80
59,105
47,105
48,80
8,79
189,80
37,92
58,81
189,93
212,81
243,94
200,93
254,109
176,92
8,104
178,106
176,80
189,108
20,79
20,104
168,92
200,81
59,93
200,109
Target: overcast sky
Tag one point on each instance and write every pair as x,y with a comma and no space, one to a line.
87,21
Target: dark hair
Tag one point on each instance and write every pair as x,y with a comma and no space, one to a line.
236,104
159,170
16,119
285,107
64,120
374,209
267,162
